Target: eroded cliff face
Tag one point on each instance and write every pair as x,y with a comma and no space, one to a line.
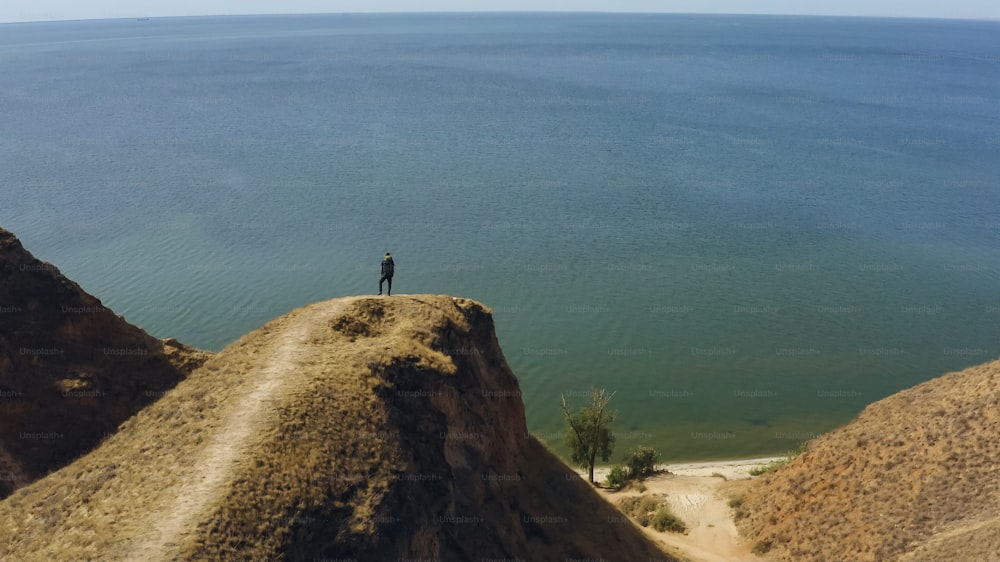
462,431
71,370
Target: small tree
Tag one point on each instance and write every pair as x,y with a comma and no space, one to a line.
588,435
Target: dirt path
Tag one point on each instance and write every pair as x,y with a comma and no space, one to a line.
702,504
701,501
241,421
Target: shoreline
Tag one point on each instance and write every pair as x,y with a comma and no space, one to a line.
733,469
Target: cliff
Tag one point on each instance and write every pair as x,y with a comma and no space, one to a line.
365,428
915,477
71,370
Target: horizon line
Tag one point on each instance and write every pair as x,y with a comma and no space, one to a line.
507,12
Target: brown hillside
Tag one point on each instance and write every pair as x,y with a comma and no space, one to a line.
365,428
916,477
70,369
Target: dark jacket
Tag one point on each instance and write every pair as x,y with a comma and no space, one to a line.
388,267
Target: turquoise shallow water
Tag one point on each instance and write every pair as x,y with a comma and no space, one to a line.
749,227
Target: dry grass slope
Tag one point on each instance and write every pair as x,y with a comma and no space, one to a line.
915,477
366,428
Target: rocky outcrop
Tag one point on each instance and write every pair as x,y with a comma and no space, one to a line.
71,370
915,477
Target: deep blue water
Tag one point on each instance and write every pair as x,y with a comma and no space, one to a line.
748,226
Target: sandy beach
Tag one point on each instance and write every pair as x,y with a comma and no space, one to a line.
698,493
736,469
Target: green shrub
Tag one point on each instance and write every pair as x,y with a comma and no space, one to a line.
638,464
665,520
618,477
642,462
652,511
641,508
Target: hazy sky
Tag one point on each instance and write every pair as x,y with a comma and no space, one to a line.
32,10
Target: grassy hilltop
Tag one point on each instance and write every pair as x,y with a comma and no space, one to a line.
363,427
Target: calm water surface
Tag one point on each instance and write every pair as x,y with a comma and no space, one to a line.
749,227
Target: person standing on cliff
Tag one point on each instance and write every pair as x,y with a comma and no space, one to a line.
388,268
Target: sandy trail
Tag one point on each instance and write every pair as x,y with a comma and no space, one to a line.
701,500
241,421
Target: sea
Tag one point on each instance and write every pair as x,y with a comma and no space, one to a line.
746,227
